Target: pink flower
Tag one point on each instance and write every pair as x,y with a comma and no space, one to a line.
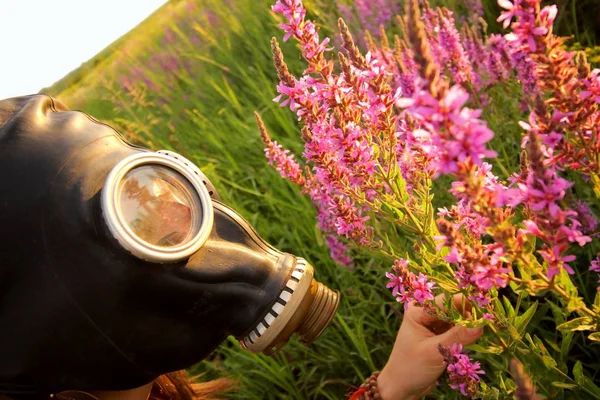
494,58
453,51
422,289
572,234
294,11
464,217
527,27
339,251
593,86
595,267
348,220
450,133
545,194
531,228
294,94
480,298
463,373
284,162
526,70
508,15
511,197
588,220
462,277
488,276
407,287
395,283
548,15
556,260
453,256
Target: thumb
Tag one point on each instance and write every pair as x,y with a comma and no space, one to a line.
460,335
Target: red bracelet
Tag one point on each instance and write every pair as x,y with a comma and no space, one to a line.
368,390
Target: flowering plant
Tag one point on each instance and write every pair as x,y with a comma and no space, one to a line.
383,131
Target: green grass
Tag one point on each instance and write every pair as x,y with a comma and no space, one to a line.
205,112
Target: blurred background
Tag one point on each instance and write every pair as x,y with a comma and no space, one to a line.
187,76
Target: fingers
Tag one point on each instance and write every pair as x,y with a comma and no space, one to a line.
459,301
421,317
460,335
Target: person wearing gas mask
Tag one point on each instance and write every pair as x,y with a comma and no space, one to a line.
120,265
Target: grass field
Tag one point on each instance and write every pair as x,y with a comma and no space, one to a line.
188,79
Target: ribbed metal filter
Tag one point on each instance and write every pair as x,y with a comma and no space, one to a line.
321,312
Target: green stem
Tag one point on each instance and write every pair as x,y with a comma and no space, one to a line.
584,310
495,332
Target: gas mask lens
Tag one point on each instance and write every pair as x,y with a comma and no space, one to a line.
157,206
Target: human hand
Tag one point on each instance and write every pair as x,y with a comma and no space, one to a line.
415,363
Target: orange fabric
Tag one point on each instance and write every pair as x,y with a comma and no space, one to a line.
356,395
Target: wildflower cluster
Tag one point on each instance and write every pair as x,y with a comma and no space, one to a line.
406,286
380,129
566,78
562,130
463,373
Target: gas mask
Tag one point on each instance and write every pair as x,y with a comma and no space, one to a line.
118,264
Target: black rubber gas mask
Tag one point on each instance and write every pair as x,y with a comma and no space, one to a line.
118,264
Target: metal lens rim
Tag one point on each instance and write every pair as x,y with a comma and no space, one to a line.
122,232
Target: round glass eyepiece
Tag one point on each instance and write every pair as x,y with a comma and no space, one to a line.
159,205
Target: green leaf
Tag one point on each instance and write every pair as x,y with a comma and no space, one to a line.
552,344
563,279
597,302
578,373
486,349
529,248
522,320
510,311
514,333
557,312
577,324
595,337
563,385
549,362
565,346
590,387
585,328
575,303
445,283
508,384
498,307
501,383
540,349
487,393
